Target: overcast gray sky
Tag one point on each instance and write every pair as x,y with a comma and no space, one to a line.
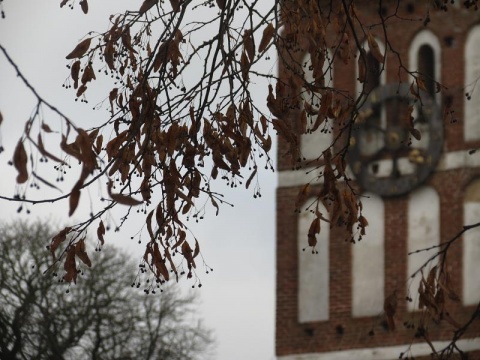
238,297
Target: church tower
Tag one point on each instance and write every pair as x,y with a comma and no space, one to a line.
418,192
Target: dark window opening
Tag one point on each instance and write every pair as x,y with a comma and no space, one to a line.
373,73
426,68
372,81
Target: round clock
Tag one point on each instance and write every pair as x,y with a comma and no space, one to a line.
383,155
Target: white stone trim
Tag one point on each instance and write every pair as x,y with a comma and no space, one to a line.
471,245
449,161
385,352
471,128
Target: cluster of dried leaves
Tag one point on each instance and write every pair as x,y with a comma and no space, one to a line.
173,133
435,293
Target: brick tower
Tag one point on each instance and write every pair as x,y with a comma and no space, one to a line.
330,305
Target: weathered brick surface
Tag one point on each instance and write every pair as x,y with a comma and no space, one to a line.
342,331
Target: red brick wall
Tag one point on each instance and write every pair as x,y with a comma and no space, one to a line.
342,331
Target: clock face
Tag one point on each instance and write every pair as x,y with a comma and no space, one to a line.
383,155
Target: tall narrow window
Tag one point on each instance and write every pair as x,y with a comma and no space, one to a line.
313,144
423,233
313,270
368,261
471,122
471,245
373,139
372,79
426,68
425,62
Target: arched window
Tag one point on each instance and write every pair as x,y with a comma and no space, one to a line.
368,261
471,123
471,245
423,233
425,62
425,59
313,144
313,270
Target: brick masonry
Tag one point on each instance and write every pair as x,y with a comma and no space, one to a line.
341,331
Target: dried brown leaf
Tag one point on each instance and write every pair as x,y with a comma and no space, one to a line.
58,239
70,266
267,36
111,97
432,275
122,199
363,224
20,160
84,6
314,227
374,49
188,254
81,253
101,232
175,5
390,307
98,144
80,49
162,56
263,121
244,66
108,54
147,5
416,134
44,152
196,251
81,90
414,91
46,128
214,203
88,74
420,84
74,72
248,44
127,40
74,198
